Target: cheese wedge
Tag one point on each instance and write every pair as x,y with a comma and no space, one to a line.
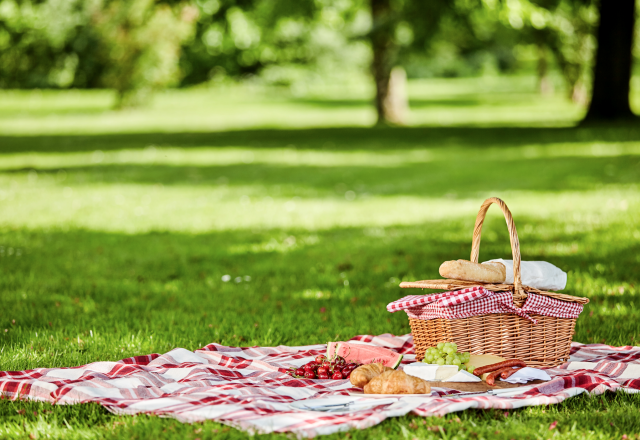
444,372
480,360
430,371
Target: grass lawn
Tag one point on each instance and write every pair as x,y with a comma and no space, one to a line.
116,229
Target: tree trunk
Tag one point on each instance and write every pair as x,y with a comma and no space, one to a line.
545,86
612,71
391,102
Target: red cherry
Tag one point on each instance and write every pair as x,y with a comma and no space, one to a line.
326,364
353,365
320,359
340,361
322,370
300,372
323,376
337,375
310,366
347,374
309,374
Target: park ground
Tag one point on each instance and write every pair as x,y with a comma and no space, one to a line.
119,229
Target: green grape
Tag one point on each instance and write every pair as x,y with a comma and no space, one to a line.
470,369
440,345
440,361
454,346
457,362
429,358
462,368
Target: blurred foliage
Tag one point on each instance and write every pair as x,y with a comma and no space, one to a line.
140,41
42,44
286,41
566,28
132,46
137,46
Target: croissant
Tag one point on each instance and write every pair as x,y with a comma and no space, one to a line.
397,382
364,373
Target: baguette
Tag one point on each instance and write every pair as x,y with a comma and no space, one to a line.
493,272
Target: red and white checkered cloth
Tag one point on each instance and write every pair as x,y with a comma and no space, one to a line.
246,387
477,300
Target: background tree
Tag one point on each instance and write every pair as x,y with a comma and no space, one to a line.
141,40
399,30
285,42
563,29
614,60
389,79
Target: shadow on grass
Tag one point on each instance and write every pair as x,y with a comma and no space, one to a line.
349,138
466,101
465,177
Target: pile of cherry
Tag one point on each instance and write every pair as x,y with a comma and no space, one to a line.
322,368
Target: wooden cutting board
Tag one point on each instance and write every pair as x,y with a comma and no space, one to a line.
469,387
480,386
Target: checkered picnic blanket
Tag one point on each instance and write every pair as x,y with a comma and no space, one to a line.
247,387
477,300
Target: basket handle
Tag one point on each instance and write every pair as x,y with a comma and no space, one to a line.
518,293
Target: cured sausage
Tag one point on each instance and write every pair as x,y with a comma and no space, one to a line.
506,374
491,377
498,366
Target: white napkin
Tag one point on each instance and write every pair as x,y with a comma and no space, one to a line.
539,274
526,374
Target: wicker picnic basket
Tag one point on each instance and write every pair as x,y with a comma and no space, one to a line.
544,345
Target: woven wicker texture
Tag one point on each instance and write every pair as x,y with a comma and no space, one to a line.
544,345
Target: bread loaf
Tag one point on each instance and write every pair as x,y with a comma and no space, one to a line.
365,373
493,272
397,382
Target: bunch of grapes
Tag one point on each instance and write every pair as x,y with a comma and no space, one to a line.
446,353
322,368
